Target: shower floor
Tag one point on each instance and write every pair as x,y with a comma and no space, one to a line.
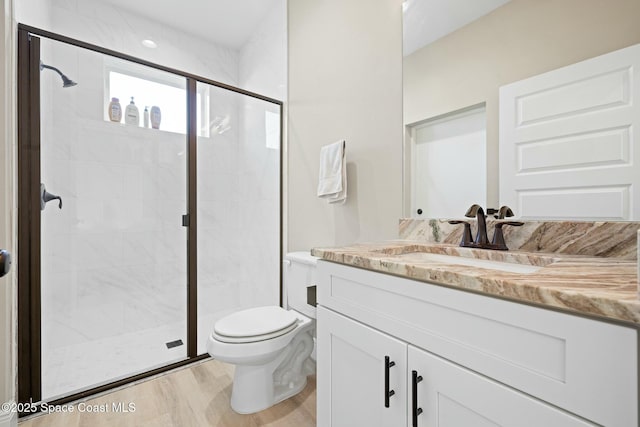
73,368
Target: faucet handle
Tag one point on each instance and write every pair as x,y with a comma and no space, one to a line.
498,236
466,234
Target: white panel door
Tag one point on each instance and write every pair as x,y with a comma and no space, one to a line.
452,396
449,164
569,145
351,374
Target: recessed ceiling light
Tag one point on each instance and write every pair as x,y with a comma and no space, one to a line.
149,43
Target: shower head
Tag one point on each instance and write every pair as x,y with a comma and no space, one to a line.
66,81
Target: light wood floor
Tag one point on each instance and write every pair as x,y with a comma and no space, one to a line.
194,396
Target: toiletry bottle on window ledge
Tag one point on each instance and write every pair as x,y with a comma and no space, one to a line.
131,114
146,117
115,111
156,116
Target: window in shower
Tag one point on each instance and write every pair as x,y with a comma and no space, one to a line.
153,89
272,129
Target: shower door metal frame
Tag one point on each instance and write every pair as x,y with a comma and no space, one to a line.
29,337
29,233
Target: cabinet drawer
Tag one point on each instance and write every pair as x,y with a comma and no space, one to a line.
585,366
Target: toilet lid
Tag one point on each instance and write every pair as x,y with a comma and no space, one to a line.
256,322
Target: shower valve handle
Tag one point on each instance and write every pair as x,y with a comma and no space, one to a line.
5,262
45,197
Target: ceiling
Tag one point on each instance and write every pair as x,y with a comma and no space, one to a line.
227,22
425,21
232,22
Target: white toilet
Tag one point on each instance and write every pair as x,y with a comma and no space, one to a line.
270,346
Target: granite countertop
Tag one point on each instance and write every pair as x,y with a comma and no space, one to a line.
600,286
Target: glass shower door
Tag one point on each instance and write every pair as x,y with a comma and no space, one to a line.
113,248
238,194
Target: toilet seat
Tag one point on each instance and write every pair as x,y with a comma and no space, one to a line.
255,324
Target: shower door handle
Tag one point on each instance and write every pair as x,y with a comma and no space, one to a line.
45,197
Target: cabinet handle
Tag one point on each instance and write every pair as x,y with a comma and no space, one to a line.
388,363
415,411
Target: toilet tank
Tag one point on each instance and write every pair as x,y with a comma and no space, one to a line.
299,273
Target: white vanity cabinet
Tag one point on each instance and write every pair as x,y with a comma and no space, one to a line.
483,361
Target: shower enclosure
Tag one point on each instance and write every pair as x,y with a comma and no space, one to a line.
133,240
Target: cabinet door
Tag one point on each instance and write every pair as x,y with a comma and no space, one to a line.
351,374
452,396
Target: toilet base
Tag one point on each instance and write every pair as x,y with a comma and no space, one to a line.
285,391
256,388
253,391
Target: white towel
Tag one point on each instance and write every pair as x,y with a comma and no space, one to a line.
332,182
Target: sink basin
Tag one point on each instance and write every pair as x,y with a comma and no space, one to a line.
426,257
507,261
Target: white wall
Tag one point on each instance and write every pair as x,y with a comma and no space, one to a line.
345,82
262,66
7,208
518,40
36,13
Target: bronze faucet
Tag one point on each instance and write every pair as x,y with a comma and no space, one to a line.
482,241
481,233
